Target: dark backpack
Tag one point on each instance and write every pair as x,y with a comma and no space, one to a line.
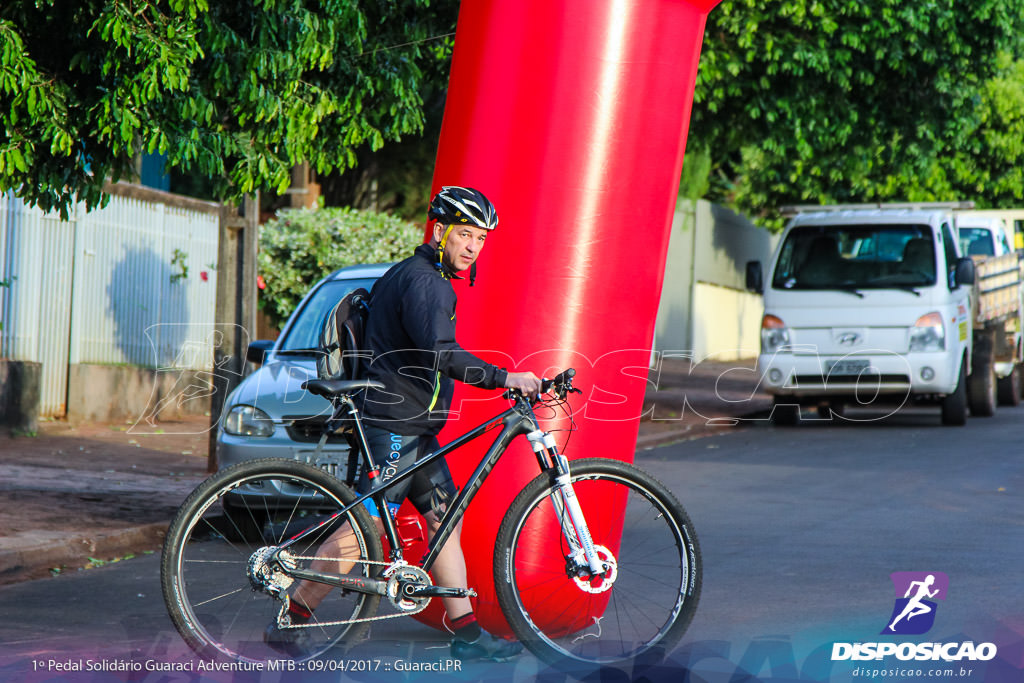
342,355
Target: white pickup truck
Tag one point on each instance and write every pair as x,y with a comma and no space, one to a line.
877,306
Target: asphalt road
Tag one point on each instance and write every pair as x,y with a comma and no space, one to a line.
800,530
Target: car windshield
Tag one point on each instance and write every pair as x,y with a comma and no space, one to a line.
854,257
305,329
976,242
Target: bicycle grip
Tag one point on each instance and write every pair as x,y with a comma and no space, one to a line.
564,377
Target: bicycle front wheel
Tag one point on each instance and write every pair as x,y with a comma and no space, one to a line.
638,609
220,591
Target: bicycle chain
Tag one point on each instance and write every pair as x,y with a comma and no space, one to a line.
342,622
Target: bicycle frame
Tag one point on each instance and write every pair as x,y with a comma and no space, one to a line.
519,419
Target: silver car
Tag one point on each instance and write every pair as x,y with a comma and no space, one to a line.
269,415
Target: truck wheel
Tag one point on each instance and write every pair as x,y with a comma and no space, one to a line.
981,388
954,406
785,414
1008,388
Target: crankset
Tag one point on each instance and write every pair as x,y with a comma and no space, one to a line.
403,580
410,588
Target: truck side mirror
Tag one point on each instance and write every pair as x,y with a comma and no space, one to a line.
964,273
755,277
256,352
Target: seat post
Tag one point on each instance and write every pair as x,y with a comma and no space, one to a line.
372,470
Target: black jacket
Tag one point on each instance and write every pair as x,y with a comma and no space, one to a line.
411,334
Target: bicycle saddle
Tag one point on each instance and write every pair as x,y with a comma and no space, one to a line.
329,388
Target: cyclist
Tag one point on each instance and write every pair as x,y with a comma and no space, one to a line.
416,357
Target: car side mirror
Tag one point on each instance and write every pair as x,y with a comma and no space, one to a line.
256,352
755,277
964,273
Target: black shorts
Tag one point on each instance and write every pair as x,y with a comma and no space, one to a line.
394,453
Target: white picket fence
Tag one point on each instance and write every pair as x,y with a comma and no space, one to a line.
106,287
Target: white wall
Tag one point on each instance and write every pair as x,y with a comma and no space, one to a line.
705,309
728,323
100,287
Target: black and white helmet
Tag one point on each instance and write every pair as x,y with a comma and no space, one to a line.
463,206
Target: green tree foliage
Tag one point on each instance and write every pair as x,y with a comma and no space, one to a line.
807,101
236,91
989,162
300,246
397,177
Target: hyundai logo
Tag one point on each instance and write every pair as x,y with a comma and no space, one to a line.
849,338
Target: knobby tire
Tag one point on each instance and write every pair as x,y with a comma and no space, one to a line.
648,607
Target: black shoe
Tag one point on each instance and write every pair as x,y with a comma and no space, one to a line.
486,647
293,642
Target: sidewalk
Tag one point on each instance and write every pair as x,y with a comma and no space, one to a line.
78,497
72,497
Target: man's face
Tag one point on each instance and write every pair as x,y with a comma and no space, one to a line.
465,242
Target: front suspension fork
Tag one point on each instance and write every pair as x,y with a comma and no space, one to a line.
567,505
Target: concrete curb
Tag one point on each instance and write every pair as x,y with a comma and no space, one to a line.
35,560
699,430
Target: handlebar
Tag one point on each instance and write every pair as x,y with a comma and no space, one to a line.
560,385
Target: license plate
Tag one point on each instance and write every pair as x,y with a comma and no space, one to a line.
847,367
331,462
332,468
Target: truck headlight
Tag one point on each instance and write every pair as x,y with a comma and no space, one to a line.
928,333
774,334
248,421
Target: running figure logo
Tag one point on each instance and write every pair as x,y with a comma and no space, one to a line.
914,611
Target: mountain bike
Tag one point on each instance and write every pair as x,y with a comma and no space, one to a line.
596,562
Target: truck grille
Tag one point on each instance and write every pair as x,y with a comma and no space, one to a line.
864,380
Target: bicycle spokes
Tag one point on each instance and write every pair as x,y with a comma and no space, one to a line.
225,578
644,591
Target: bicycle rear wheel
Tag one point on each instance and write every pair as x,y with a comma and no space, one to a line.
639,610
215,544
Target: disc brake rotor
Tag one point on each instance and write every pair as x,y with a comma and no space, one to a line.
600,583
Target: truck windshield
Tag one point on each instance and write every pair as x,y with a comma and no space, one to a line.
856,257
976,242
